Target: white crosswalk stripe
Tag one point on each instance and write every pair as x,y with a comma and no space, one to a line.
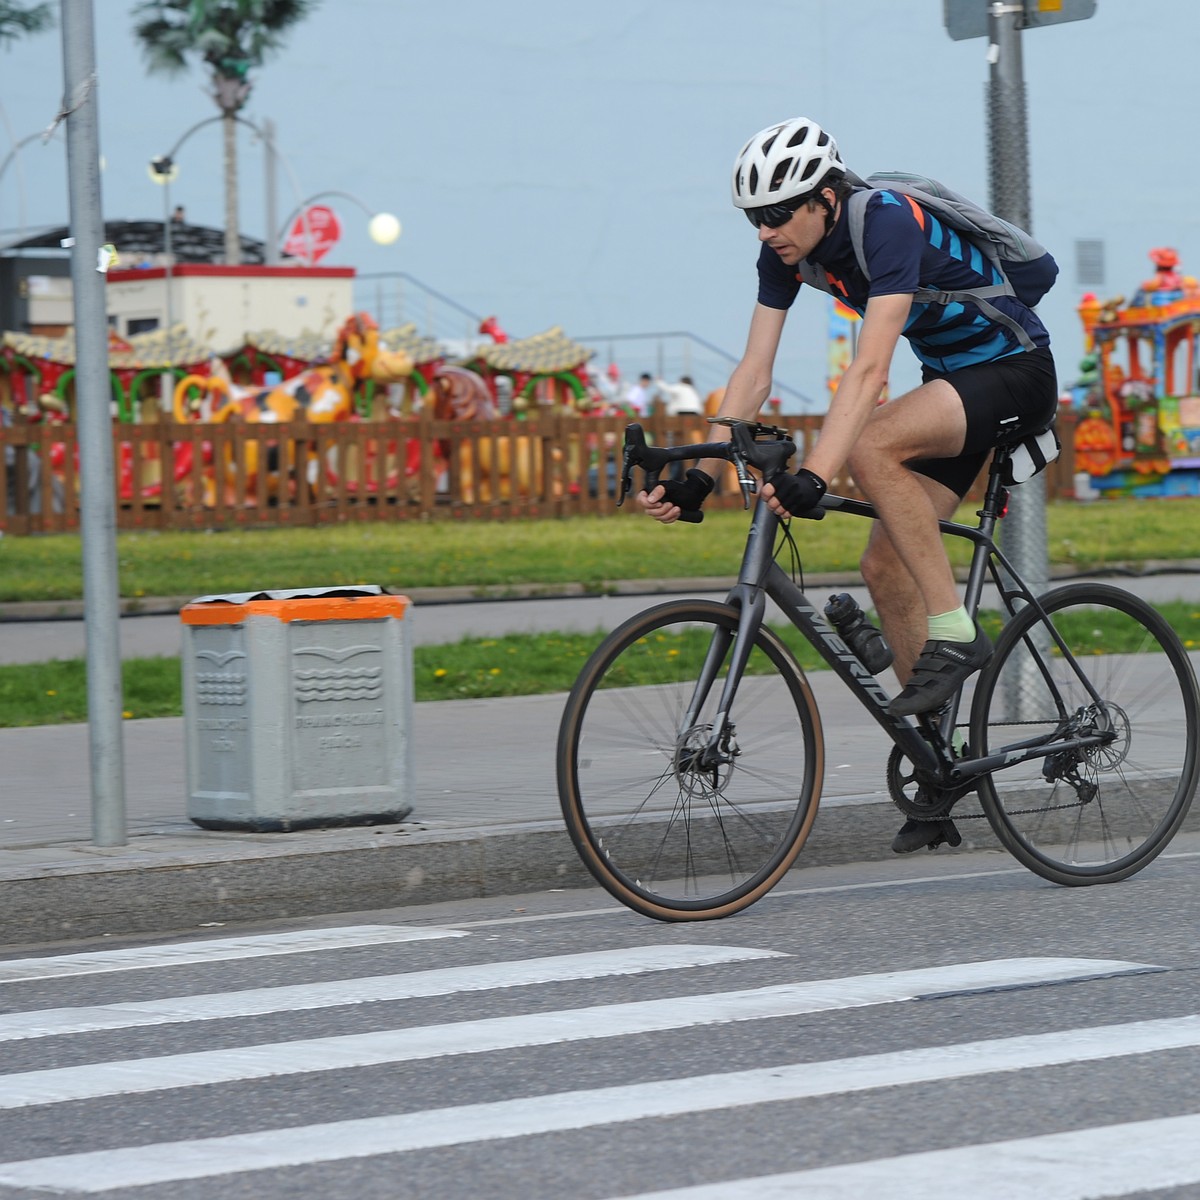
342,1140
215,1006
61,1084
303,941
1065,1165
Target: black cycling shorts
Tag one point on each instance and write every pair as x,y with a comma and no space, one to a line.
1003,400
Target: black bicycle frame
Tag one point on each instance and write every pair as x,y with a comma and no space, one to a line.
761,577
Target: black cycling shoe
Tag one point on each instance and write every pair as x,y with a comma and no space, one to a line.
931,834
939,673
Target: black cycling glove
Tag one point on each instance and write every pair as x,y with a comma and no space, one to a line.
691,492
799,493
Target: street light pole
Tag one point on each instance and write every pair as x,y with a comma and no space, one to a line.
163,169
271,241
1025,526
97,478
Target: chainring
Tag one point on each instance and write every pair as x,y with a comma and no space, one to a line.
915,799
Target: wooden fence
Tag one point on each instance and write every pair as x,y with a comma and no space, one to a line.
231,475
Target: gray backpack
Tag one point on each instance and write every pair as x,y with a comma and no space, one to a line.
1026,267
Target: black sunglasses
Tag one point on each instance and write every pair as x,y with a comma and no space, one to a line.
775,215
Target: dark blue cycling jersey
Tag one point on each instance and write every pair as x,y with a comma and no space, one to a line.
907,248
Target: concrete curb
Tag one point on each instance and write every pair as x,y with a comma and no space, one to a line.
164,884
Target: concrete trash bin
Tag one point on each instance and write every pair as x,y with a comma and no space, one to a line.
298,709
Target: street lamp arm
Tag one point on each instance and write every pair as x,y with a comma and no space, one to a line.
174,150
320,196
18,146
187,133
383,227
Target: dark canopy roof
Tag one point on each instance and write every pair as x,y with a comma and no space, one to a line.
189,243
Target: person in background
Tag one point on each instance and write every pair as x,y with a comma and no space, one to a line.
681,399
640,394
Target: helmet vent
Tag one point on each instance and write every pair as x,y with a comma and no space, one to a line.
781,173
799,136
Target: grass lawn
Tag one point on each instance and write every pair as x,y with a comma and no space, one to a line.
495,554
517,665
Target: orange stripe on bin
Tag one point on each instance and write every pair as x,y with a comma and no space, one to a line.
332,608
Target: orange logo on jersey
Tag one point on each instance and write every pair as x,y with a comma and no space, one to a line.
835,282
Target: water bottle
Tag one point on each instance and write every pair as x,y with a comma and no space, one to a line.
858,633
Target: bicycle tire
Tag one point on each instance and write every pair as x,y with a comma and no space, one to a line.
1097,815
667,840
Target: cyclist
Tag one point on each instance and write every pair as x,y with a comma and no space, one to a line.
914,457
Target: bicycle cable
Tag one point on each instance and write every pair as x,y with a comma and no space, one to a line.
796,569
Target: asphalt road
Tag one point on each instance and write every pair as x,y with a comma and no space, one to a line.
555,1045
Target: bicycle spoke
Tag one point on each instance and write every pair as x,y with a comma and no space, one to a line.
709,826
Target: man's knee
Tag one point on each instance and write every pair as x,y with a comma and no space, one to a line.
862,465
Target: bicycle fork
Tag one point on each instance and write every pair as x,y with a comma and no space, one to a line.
718,749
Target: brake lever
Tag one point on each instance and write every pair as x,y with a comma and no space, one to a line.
625,483
635,440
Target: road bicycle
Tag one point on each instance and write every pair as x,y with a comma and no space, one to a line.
690,753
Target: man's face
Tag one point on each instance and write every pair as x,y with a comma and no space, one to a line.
799,237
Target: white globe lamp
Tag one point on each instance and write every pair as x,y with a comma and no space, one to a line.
384,228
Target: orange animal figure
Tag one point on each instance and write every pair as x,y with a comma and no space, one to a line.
320,395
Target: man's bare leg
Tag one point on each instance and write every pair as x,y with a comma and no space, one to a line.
928,422
894,591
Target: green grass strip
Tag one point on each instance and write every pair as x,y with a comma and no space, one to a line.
549,554
53,693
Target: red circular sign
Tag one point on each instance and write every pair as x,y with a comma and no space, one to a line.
313,234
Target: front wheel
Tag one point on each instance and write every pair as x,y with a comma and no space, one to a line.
1100,811
668,834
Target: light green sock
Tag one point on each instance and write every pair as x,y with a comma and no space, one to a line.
955,626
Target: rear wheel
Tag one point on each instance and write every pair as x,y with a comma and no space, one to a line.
667,835
1100,812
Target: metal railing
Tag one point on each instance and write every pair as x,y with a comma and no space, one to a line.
396,298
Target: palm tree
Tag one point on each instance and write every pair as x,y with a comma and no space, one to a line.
232,37
16,19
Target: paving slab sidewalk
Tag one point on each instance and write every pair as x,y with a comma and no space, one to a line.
486,817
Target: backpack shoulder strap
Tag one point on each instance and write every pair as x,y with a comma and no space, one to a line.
856,208
856,215
813,276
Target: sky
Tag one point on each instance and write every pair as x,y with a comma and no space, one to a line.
568,164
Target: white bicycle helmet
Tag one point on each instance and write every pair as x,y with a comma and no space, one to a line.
784,162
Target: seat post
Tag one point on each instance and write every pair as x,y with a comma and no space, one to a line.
995,496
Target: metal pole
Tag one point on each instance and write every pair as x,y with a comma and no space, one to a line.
98,498
168,260
270,165
1024,529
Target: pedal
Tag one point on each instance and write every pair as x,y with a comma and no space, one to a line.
947,835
